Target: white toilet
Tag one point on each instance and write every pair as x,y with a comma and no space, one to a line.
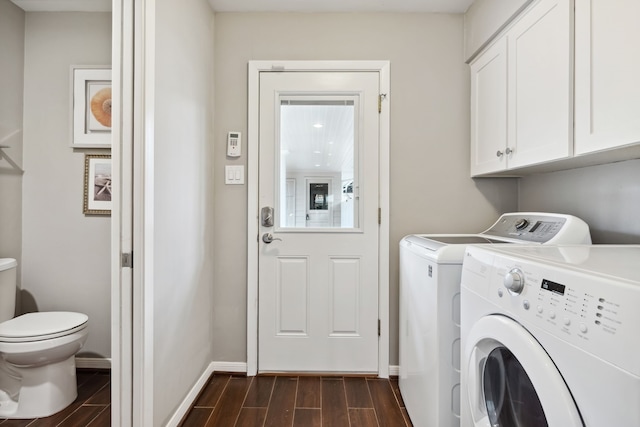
37,354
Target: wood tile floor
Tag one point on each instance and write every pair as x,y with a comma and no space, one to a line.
91,408
298,401
239,401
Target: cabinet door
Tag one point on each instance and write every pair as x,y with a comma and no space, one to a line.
541,84
489,109
607,72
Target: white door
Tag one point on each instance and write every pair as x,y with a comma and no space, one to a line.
318,279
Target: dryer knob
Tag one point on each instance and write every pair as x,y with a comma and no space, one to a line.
521,223
514,281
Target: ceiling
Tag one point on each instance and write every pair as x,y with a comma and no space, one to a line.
64,5
439,6
434,6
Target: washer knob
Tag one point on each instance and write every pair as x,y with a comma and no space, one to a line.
521,223
514,281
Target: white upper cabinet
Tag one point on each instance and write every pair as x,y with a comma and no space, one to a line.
540,52
489,109
521,92
607,74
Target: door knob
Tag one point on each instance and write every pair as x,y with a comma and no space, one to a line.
268,238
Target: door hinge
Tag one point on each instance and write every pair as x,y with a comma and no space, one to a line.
126,259
379,216
378,327
381,97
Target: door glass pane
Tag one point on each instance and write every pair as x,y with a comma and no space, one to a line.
510,398
318,177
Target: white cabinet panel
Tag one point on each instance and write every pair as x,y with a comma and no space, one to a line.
540,85
607,75
489,109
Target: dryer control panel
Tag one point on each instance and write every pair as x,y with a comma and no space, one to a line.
595,312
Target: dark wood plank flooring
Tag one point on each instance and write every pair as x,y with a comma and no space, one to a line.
92,407
231,400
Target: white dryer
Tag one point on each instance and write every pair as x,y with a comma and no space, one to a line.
550,336
430,268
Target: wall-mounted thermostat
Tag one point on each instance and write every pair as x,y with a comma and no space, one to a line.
234,144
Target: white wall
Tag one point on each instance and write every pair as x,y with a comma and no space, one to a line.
430,186
183,220
607,197
12,20
65,255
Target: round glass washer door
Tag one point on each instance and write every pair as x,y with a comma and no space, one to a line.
512,382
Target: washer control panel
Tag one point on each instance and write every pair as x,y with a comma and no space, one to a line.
595,313
540,228
528,227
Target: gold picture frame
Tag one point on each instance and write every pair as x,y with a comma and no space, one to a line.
97,184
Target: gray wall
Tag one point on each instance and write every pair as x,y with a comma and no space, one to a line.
430,186
65,255
484,19
12,20
607,197
182,235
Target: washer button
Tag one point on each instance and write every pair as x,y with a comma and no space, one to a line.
540,309
552,314
500,292
583,328
526,304
567,321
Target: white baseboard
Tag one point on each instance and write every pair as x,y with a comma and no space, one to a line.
191,397
394,370
230,367
93,362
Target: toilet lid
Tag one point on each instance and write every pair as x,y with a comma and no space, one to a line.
42,326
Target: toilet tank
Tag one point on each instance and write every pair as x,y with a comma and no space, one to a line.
7,288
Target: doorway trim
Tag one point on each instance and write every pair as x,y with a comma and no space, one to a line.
254,70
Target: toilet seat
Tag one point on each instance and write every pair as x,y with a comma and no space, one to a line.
42,326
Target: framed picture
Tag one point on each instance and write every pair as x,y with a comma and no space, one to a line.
97,184
91,107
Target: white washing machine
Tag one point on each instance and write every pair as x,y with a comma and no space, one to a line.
551,336
430,268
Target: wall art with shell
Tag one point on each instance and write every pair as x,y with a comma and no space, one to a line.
91,107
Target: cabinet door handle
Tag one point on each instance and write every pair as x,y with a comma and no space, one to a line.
499,153
508,151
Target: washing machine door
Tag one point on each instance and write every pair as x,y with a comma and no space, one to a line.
512,382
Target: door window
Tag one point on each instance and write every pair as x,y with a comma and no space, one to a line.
318,157
510,397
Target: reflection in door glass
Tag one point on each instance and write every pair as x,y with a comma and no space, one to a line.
318,177
510,397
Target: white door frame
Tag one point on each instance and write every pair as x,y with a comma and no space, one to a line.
121,226
132,170
255,68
